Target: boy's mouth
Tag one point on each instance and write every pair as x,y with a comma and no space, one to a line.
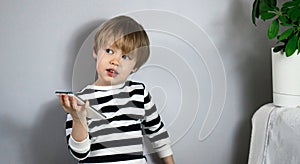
112,72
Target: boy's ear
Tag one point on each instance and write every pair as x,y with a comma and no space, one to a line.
94,55
134,70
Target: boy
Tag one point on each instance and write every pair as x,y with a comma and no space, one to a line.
121,47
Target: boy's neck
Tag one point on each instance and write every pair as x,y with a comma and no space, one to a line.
119,85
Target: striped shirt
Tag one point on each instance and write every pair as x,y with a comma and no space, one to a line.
130,114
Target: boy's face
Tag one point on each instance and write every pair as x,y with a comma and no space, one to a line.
113,67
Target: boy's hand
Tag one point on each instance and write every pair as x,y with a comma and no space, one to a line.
70,105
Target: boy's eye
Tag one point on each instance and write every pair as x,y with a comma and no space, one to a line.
109,51
125,57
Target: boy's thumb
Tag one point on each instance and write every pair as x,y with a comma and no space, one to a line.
87,104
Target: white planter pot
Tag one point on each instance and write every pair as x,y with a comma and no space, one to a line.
286,79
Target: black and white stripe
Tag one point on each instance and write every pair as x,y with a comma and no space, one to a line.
130,114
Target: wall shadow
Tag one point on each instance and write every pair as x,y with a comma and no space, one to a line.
47,142
75,43
46,138
14,141
43,142
253,70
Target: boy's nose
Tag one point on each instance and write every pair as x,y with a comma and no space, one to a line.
115,61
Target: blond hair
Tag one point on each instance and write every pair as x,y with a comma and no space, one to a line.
126,34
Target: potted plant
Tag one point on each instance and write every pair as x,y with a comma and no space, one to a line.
285,28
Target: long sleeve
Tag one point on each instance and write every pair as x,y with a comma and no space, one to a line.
154,128
79,150
119,137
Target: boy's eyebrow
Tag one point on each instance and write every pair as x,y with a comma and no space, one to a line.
110,47
114,47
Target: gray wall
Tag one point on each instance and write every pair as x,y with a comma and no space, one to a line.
218,73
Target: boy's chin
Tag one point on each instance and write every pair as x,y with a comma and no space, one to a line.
108,81
116,82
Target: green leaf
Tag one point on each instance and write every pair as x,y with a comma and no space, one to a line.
267,15
285,34
278,48
264,7
255,11
284,21
291,46
273,29
289,4
291,10
273,2
297,1
286,24
295,14
284,10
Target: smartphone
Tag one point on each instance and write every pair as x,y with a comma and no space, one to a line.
91,112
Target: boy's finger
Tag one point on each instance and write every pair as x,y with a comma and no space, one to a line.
66,101
62,102
74,102
87,104
61,99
